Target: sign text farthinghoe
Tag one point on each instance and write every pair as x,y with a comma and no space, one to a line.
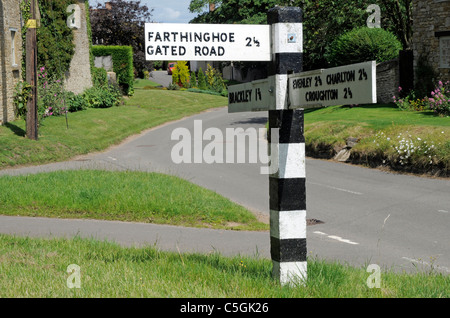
207,42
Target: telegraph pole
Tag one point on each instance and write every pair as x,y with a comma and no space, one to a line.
31,73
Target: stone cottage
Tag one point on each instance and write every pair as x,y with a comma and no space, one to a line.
78,77
10,56
431,35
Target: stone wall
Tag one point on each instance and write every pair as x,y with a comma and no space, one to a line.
10,72
431,21
388,81
78,77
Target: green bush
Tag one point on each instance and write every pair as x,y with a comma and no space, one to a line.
22,92
214,80
363,44
180,74
102,96
122,57
75,102
193,81
201,80
99,76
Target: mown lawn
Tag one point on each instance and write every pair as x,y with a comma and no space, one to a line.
387,136
38,268
122,196
97,129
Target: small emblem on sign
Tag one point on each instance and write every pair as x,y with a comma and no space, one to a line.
292,38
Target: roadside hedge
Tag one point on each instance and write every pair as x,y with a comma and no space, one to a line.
122,57
361,45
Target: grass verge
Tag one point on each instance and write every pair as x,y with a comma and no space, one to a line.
97,129
417,142
38,268
122,196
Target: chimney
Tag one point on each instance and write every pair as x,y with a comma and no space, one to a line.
212,6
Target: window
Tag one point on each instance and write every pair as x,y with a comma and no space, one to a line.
14,59
444,48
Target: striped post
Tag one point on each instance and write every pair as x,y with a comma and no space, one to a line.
287,185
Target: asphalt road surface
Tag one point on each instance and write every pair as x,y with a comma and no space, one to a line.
399,222
161,77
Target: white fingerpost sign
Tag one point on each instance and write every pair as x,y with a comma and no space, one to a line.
207,42
284,94
344,85
258,95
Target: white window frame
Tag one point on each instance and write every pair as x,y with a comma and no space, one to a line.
14,58
444,52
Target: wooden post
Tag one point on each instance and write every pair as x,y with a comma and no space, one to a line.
31,73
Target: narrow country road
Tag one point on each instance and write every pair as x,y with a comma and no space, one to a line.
367,216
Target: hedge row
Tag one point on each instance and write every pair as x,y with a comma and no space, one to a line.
122,57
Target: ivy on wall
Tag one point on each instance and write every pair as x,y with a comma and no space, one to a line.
54,37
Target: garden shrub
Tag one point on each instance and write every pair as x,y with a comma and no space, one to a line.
122,57
22,93
51,95
410,101
215,81
102,96
75,102
180,74
201,80
193,81
99,76
361,45
439,101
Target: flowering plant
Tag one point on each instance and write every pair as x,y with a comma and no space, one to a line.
439,101
50,95
406,149
409,102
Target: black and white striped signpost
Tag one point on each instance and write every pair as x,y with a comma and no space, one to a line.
287,189
284,94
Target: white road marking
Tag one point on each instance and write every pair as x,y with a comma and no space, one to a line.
412,260
442,211
337,238
114,159
335,188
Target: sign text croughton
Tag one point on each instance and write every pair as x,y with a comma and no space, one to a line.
344,85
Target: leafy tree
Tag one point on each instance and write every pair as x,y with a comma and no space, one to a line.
323,21
233,11
399,14
123,23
